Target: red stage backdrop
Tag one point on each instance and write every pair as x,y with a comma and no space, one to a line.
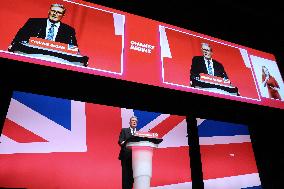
50,142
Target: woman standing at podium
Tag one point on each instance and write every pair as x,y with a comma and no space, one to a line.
125,154
270,82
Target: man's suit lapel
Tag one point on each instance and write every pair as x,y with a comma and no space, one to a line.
204,66
217,69
59,33
128,132
42,28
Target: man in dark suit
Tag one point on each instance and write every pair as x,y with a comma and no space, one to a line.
50,28
125,154
205,64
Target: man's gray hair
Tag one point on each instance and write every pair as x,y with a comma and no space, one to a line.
133,117
58,5
207,45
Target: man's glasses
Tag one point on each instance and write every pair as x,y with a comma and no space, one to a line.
56,12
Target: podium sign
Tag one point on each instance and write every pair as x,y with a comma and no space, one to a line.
214,79
215,84
53,45
146,134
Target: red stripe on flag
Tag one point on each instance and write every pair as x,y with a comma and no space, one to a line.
20,134
168,124
224,160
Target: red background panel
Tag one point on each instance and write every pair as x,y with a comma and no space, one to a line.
177,68
171,166
224,160
140,66
97,39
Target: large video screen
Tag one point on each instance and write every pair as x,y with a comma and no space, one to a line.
89,38
227,156
50,142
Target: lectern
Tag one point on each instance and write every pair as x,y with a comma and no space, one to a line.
214,84
142,146
51,51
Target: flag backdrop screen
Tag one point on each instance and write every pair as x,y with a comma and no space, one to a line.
125,46
50,142
227,156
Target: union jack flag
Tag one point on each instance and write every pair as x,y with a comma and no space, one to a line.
50,142
227,156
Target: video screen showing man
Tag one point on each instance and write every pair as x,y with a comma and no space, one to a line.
207,65
125,154
51,29
48,29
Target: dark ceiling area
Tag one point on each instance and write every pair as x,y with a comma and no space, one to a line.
255,24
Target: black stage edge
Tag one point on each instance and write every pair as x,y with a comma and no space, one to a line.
5,97
194,153
38,79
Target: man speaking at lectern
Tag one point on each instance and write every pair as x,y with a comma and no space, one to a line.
50,28
205,64
125,154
